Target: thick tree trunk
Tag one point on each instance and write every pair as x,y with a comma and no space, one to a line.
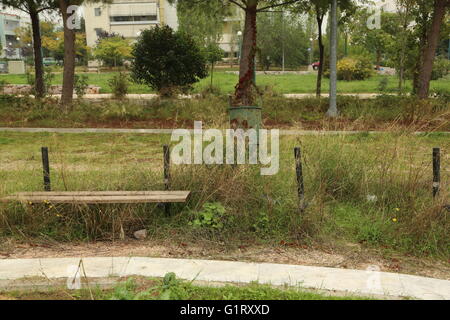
244,94
429,52
69,57
321,56
38,63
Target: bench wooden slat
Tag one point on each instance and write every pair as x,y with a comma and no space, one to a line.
90,198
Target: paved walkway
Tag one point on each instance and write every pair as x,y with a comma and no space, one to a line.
343,280
169,131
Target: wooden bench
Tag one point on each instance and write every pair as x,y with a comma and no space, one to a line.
99,197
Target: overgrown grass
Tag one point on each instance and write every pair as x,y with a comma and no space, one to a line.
171,288
383,113
288,83
343,176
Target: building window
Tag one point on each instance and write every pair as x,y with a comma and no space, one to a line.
98,12
98,32
134,18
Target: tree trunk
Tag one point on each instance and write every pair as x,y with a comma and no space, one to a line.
378,60
37,46
244,94
424,78
321,56
69,57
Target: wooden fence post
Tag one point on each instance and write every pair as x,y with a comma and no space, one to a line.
300,183
46,169
166,151
436,171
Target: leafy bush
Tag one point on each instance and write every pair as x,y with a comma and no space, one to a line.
80,85
441,68
211,216
119,85
353,68
164,59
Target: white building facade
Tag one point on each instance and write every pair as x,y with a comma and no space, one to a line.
127,18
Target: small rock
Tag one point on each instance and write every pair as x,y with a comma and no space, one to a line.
141,234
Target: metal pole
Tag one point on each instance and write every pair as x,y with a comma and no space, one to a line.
166,151
436,171
282,38
46,169
332,111
300,184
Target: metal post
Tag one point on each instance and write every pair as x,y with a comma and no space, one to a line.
436,171
166,151
332,111
300,184
46,169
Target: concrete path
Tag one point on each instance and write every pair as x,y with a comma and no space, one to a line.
169,131
357,282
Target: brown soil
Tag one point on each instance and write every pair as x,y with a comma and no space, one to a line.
350,256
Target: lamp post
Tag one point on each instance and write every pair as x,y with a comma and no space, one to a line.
239,34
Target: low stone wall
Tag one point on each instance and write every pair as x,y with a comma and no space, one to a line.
26,89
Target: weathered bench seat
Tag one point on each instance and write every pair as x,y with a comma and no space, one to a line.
98,197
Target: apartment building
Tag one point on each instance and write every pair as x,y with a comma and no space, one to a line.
8,39
127,17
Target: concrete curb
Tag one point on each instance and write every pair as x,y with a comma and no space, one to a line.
358,282
151,96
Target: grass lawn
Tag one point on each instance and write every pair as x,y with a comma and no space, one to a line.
340,173
281,83
171,288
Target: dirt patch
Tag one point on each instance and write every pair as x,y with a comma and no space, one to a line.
351,256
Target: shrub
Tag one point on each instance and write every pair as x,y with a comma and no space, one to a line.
80,85
356,68
119,85
166,59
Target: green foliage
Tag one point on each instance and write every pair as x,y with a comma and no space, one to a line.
171,288
262,224
164,60
80,85
203,21
113,51
441,68
213,53
3,82
119,85
282,34
211,217
49,76
383,84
